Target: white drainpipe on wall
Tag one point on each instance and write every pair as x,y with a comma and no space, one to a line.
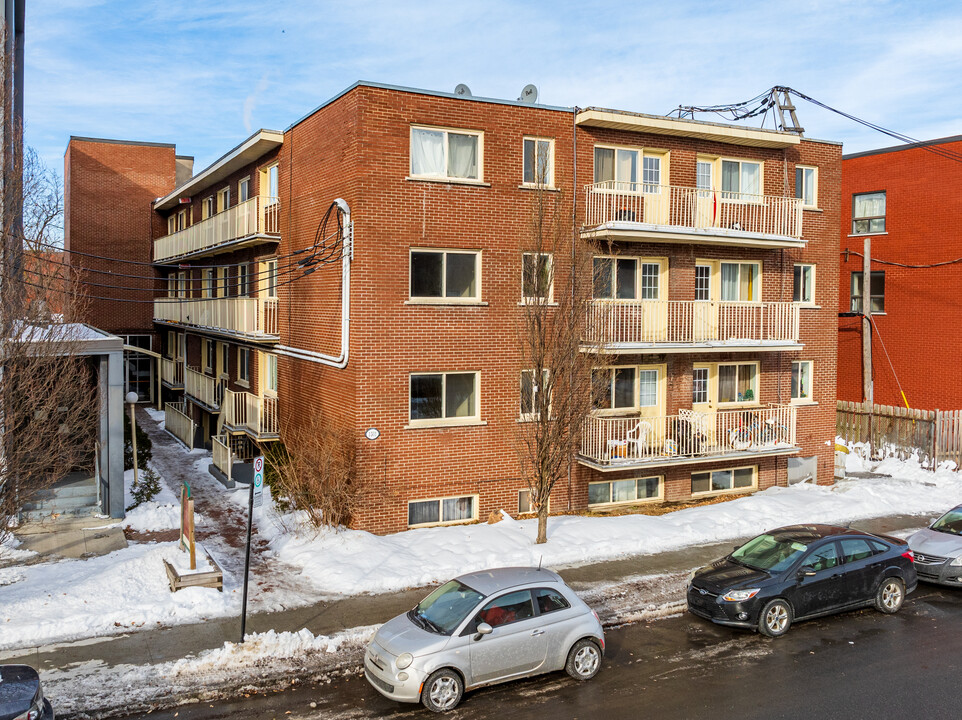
335,361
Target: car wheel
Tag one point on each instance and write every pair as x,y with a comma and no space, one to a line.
890,595
776,618
584,660
442,691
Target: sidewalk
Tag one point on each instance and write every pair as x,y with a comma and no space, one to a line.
325,618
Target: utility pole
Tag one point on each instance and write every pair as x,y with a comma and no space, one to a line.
868,394
11,288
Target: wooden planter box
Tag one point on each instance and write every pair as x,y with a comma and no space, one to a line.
208,578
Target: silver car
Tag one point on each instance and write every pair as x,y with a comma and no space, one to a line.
938,550
484,628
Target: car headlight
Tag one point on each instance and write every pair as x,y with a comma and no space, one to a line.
957,561
740,595
404,660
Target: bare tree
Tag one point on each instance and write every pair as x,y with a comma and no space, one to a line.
48,391
556,362
317,472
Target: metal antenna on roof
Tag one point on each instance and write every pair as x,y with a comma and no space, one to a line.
539,561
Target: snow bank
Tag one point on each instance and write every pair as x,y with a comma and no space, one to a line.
11,552
124,590
161,513
353,562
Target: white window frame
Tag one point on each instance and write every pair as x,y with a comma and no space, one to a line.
617,503
443,299
172,345
243,280
447,131
182,284
270,374
270,278
440,501
549,175
208,208
181,220
811,202
726,491
244,189
755,389
172,223
207,287
224,351
223,199
207,350
636,405
527,417
526,299
637,186
707,385
756,288
859,298
444,420
740,196
244,366
811,383
869,218
810,285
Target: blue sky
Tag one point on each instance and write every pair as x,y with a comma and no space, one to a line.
205,74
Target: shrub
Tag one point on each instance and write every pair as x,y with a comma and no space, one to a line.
146,489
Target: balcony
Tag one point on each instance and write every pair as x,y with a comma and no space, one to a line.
623,443
252,414
241,317
248,223
172,373
632,326
178,423
663,213
204,389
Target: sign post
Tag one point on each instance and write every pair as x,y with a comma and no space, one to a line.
256,499
187,524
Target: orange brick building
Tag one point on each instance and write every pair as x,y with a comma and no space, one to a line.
906,200
715,291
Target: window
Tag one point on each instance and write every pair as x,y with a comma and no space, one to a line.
721,480
537,282
172,285
647,388
549,601
806,185
244,190
181,220
868,213
699,386
530,391
524,501
624,491
208,288
855,549
243,365
270,374
803,284
445,275
617,278
738,383
224,360
209,356
445,154
207,208
741,178
702,282
442,510
243,280
619,168
614,387
739,282
221,288
876,291
513,607
270,184
223,199
182,284
802,380
444,397
538,163
171,224
181,346
825,558
703,175
172,344
270,278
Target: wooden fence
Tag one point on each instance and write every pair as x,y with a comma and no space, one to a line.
935,435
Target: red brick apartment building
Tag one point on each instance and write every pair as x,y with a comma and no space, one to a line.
907,200
715,275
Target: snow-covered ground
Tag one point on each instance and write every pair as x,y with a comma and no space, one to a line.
51,602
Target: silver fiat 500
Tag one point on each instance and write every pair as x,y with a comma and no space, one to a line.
484,628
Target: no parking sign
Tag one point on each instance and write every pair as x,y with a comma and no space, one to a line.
258,481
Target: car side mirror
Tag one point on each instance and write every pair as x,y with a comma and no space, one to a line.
482,630
806,571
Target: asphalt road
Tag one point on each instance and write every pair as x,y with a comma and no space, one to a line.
856,665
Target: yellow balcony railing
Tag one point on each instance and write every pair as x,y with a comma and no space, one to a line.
258,216
251,317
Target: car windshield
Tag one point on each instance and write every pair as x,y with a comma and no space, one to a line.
444,609
769,553
950,523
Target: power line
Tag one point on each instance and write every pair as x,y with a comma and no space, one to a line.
875,261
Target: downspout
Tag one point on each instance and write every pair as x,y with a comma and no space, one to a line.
574,231
335,361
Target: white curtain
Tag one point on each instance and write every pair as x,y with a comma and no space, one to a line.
462,156
751,177
627,167
729,279
870,205
427,153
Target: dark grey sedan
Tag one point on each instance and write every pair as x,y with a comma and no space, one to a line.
21,697
484,628
938,550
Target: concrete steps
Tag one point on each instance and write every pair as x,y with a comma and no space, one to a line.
73,498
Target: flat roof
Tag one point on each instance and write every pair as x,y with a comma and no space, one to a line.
249,150
112,141
906,146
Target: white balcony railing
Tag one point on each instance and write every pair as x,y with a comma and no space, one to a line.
615,441
640,322
258,216
249,316
178,423
686,207
203,387
251,413
172,372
